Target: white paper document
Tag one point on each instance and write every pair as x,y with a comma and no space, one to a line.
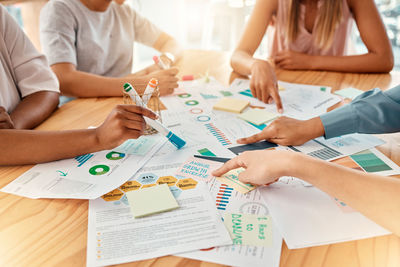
228,200
87,176
308,217
338,147
300,101
114,236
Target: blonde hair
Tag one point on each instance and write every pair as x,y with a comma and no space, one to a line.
329,18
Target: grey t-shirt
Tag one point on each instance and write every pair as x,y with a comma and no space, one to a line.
96,42
23,70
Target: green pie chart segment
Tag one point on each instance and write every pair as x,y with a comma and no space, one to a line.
115,155
99,170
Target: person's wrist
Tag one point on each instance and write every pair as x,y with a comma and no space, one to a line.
292,163
315,126
313,62
258,63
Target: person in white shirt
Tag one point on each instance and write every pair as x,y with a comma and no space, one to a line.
29,94
89,45
28,88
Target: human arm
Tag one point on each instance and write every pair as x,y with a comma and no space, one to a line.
29,147
82,84
372,112
263,82
167,44
5,119
375,196
34,109
379,57
36,84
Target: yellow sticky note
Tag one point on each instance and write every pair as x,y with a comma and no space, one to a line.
257,116
151,200
249,229
231,105
231,178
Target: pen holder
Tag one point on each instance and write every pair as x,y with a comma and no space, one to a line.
153,104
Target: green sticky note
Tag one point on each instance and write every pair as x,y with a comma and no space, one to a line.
249,229
151,200
349,92
257,116
231,178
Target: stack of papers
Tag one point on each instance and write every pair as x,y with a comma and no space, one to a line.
148,199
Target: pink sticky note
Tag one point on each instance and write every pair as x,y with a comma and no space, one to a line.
187,77
199,169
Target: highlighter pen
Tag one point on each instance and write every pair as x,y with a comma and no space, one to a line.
173,138
159,63
151,86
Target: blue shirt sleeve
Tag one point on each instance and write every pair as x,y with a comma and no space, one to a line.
374,111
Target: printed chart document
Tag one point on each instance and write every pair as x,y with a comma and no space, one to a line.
88,176
229,201
338,147
300,101
114,236
307,217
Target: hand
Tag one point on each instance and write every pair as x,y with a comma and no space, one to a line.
290,60
167,80
262,166
5,119
263,84
287,131
167,60
124,122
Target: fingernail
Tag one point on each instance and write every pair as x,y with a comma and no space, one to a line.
280,110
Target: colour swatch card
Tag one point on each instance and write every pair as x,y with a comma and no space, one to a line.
230,201
371,161
84,177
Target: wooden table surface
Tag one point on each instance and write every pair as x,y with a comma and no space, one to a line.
48,232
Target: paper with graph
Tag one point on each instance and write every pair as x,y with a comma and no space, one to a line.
228,201
88,176
338,147
322,219
115,237
300,101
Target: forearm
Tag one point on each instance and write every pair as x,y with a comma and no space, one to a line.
372,112
82,84
167,44
242,62
29,147
376,197
34,109
371,62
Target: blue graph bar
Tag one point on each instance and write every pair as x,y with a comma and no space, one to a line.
82,159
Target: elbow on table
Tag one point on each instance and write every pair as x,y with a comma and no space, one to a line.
386,62
67,82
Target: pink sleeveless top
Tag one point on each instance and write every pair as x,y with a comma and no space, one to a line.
305,40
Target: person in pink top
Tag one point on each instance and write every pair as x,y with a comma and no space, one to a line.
310,35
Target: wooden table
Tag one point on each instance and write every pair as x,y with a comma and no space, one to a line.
52,232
